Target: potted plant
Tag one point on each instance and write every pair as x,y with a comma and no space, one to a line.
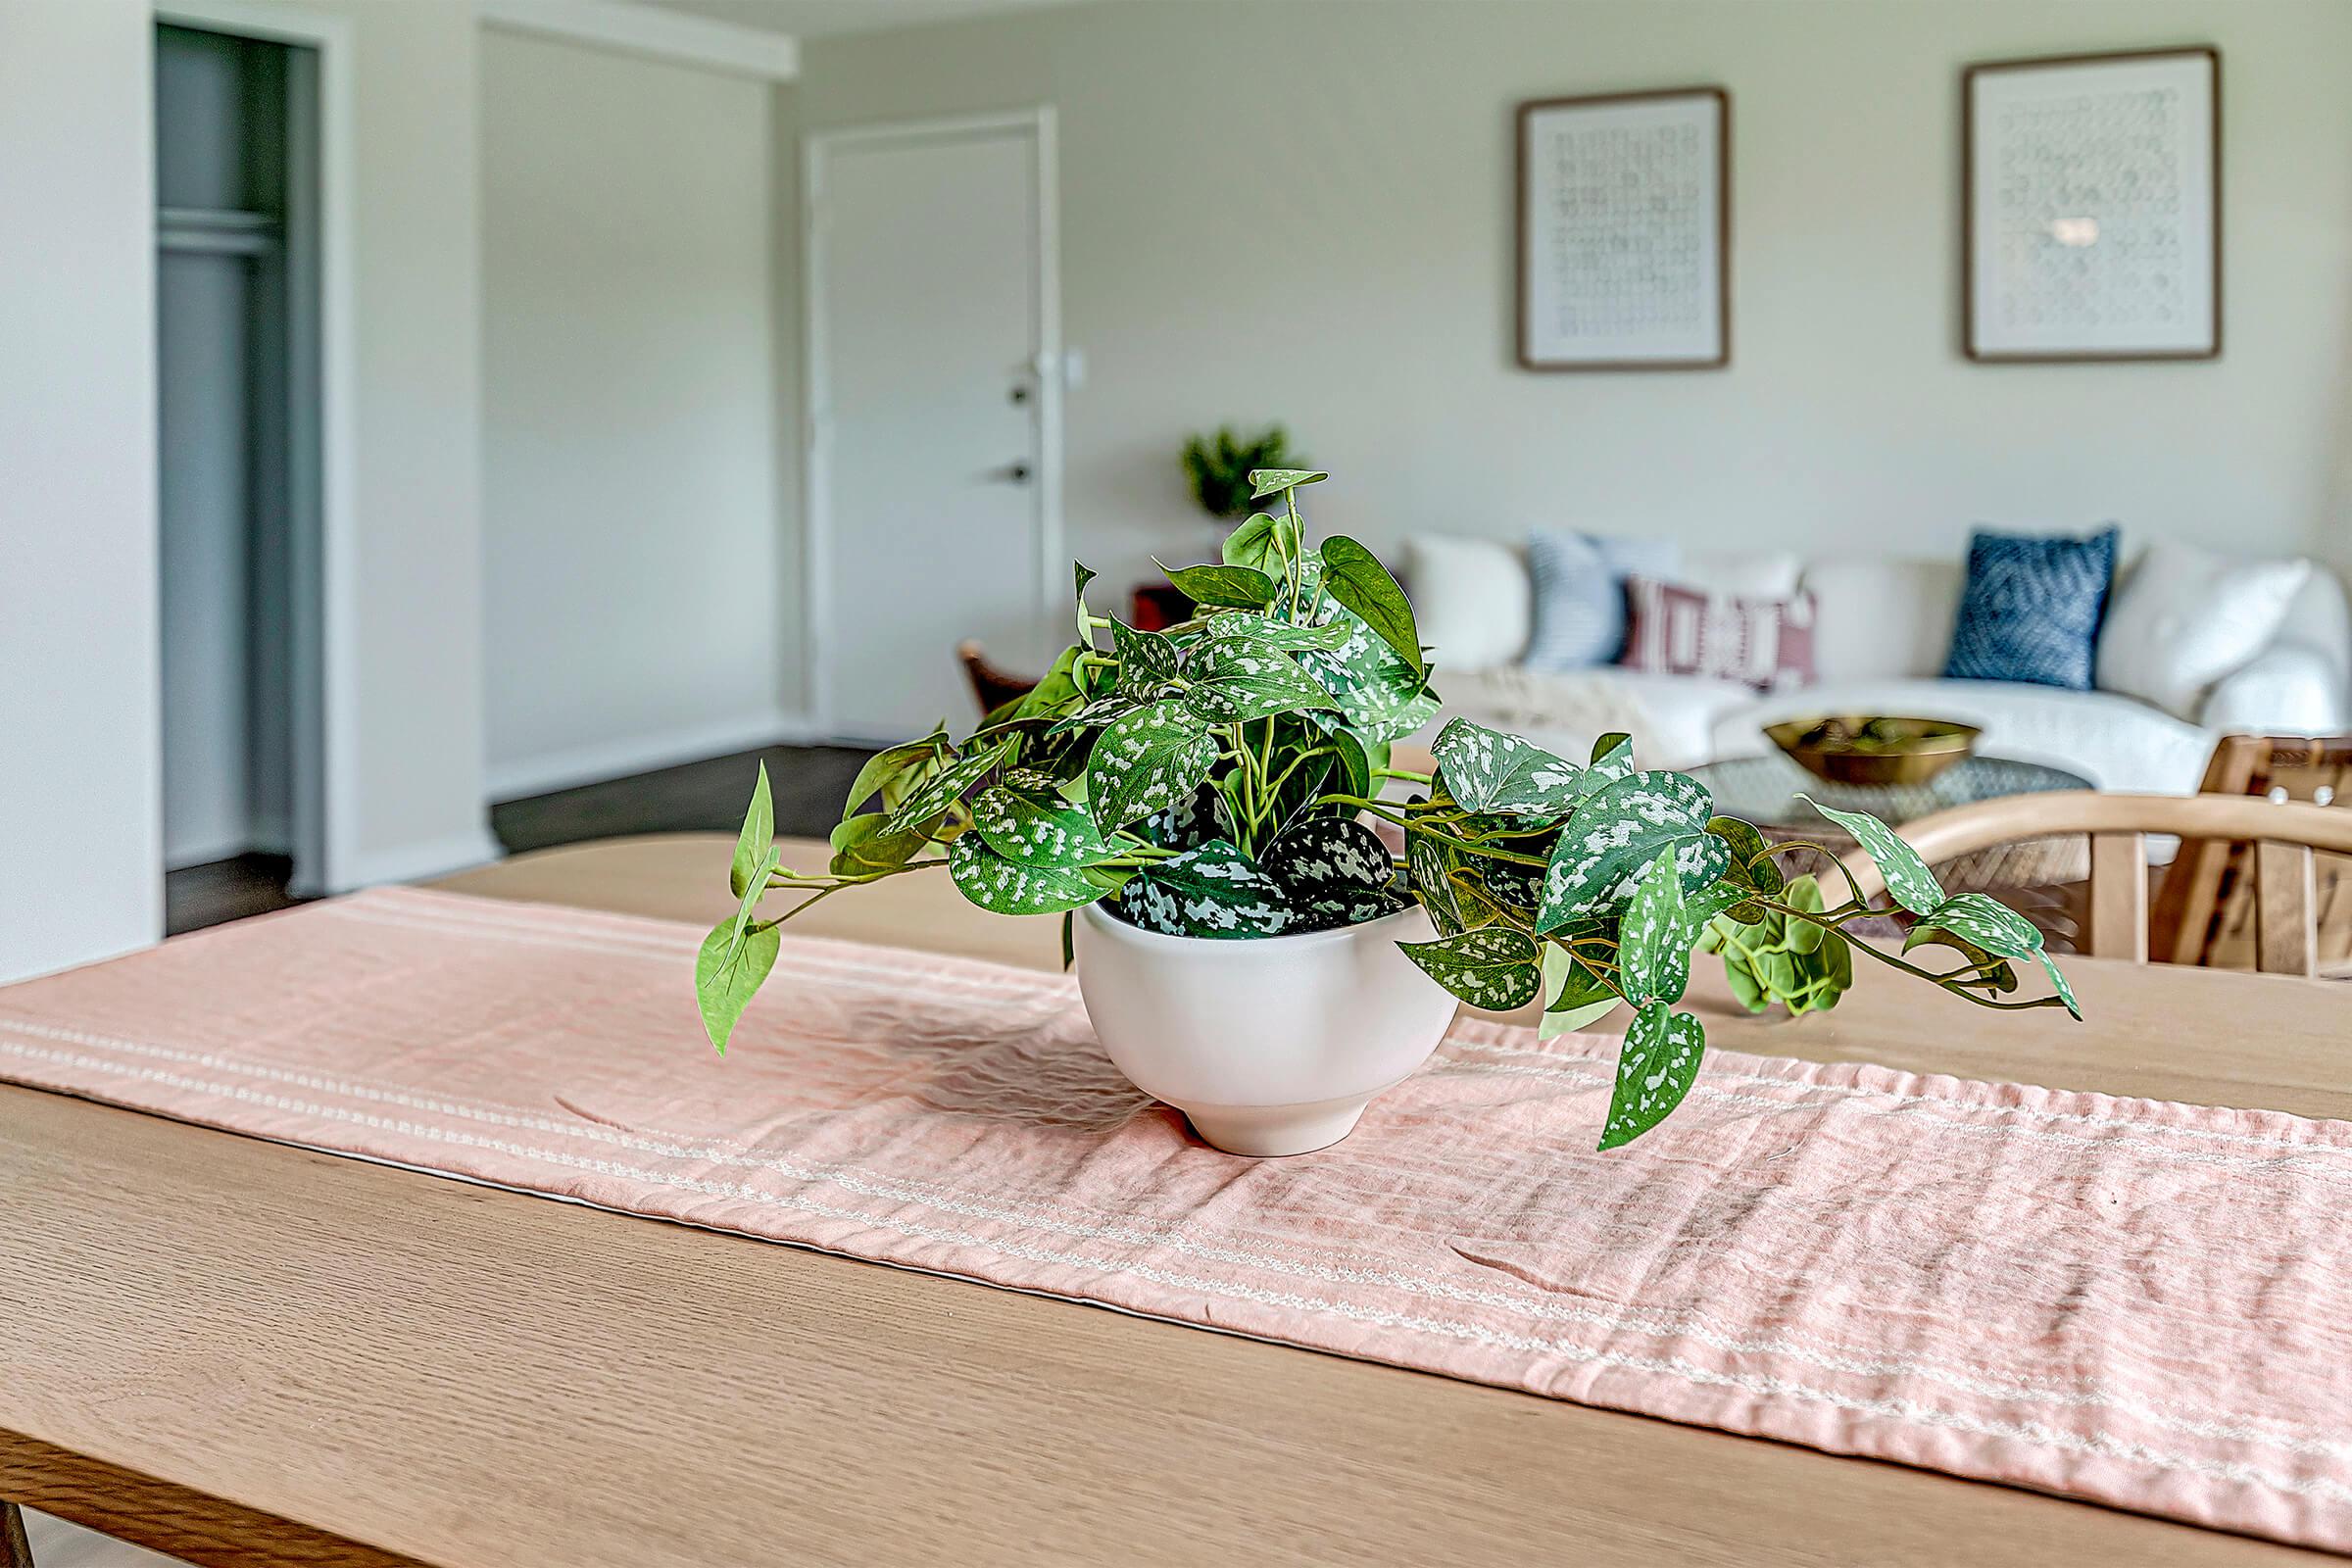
1221,465
1199,806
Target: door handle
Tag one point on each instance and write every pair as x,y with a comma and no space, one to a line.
1015,473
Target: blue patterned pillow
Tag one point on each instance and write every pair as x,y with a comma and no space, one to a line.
2031,608
1580,593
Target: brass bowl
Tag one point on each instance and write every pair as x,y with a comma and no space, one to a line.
1870,749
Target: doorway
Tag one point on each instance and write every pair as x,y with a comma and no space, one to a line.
934,473
237,310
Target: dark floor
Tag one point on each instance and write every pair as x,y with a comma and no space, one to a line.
199,896
807,783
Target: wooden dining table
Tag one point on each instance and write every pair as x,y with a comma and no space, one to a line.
241,1352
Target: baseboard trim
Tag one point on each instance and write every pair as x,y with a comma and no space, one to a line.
642,753
417,862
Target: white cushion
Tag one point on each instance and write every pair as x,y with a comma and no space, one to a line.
1470,599
2185,618
1740,573
1876,619
2117,743
2287,689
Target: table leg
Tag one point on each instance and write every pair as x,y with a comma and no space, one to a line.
15,1550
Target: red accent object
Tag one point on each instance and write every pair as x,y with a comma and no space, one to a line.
1156,607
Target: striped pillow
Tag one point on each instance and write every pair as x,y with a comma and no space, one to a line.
1579,582
1677,630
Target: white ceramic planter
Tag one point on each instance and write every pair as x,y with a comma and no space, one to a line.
1270,1047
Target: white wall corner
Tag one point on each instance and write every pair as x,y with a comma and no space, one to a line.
644,30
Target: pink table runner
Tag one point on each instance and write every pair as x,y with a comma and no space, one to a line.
2127,1300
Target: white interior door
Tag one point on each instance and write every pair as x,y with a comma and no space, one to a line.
932,444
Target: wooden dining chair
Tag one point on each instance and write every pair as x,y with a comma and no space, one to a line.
2285,836
2203,910
991,688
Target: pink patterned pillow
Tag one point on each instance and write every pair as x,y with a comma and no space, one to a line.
1679,630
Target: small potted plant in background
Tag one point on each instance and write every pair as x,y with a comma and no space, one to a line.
1195,805
1220,465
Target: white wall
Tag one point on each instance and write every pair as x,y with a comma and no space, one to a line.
417,806
81,846
638,553
1282,209
81,853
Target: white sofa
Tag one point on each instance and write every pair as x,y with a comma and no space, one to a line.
1881,629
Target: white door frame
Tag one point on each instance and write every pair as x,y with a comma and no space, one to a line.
1050,572
332,738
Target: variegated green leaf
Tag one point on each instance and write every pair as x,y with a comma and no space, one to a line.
1236,682
1243,586
1907,876
1145,762
727,971
1654,946
1245,626
1354,576
1493,968
1335,872
1264,482
1614,836
945,788
1380,696
1215,891
1612,757
1489,771
1146,659
1188,824
1507,882
1036,831
1428,872
1008,887
1655,1069
1110,705
1987,922
2058,983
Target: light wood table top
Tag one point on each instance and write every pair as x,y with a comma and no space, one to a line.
240,1352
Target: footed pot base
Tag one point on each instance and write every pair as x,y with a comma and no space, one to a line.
1273,1130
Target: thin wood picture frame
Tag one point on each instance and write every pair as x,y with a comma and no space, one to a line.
1709,346
1994,329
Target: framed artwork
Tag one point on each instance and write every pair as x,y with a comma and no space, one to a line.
1625,221
2091,206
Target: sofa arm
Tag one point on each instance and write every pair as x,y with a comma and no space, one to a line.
2289,689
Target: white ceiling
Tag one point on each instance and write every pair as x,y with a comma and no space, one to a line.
812,18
